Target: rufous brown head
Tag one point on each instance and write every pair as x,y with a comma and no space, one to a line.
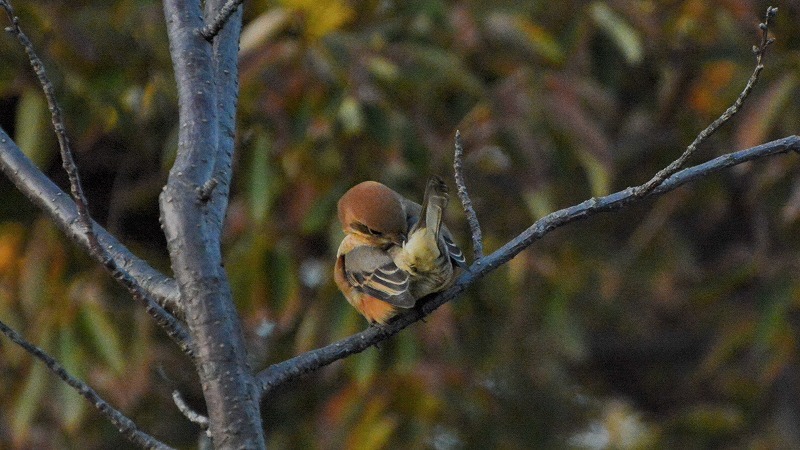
373,212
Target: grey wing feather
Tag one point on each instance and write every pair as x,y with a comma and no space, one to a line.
456,255
372,271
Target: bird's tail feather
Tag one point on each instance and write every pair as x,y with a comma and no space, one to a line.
433,205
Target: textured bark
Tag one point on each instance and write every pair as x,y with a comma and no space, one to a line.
192,224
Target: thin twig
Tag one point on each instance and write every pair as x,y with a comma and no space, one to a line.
168,322
58,125
759,50
225,13
463,195
277,374
125,425
193,416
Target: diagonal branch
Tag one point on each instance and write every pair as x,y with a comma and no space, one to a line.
168,322
43,193
759,50
664,181
125,425
59,126
282,372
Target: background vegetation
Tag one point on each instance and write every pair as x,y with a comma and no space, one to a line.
673,323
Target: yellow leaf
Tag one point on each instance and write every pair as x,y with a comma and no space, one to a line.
321,16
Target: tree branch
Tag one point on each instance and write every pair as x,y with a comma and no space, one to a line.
126,426
193,238
48,197
168,322
463,195
61,131
759,50
664,181
282,372
222,17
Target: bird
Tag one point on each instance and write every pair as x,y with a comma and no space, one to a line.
395,251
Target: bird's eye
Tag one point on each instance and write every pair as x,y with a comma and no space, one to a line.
365,229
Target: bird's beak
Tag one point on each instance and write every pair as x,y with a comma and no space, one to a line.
398,239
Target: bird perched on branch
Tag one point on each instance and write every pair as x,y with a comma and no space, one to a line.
394,251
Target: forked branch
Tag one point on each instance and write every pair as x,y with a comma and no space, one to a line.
173,328
664,181
760,51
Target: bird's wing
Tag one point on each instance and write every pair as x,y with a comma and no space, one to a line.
372,271
455,253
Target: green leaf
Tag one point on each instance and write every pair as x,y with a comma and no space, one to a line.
363,366
599,177
624,36
264,183
282,280
29,401
103,335
350,116
383,69
542,42
318,216
72,406
34,132
539,203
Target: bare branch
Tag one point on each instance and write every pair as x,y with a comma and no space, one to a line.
463,195
676,165
59,126
124,424
193,416
282,372
168,322
43,193
222,17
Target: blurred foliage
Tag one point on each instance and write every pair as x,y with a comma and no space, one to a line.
672,324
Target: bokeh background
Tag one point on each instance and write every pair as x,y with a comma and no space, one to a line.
672,324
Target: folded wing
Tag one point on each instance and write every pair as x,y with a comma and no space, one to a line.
372,271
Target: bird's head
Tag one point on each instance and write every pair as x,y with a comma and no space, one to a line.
374,213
